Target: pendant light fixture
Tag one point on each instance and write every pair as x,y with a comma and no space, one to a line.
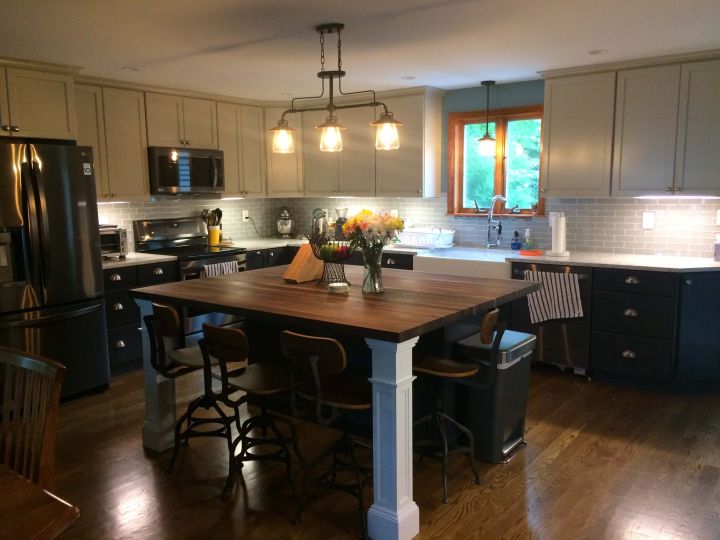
386,132
486,144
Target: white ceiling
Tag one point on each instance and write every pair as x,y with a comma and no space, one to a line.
268,49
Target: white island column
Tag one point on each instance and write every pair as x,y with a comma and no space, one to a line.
393,514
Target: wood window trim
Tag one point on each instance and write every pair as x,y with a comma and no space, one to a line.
456,127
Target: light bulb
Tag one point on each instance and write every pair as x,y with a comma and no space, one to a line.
386,137
486,146
283,142
331,139
174,156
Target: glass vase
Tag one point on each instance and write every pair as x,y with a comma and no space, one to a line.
372,279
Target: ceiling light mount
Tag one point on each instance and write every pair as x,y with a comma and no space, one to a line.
486,144
386,137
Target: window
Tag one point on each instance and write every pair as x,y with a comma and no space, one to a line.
513,172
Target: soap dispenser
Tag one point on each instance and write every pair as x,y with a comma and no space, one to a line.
515,242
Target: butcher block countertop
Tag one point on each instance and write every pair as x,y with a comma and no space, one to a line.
413,303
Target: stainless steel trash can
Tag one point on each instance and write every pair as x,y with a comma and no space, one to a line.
493,404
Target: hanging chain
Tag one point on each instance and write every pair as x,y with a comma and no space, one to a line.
339,46
322,51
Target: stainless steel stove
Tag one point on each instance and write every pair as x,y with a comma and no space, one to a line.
186,239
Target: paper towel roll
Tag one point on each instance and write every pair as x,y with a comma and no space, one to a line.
559,241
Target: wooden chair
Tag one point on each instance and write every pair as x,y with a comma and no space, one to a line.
441,370
319,364
259,381
30,400
171,361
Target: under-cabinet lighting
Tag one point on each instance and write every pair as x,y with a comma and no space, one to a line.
678,197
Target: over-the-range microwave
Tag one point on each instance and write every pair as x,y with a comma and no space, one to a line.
175,171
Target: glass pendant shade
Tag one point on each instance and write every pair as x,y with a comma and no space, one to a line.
283,141
386,133
486,146
330,135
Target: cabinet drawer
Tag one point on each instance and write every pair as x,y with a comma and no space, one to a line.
152,274
636,314
638,356
125,343
401,261
121,310
632,281
255,259
120,278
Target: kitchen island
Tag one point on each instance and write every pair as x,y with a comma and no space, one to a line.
413,304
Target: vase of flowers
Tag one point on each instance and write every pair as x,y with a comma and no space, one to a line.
370,232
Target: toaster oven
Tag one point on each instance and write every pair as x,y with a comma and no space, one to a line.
113,242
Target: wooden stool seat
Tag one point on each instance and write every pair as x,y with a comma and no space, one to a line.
262,380
344,391
188,357
444,367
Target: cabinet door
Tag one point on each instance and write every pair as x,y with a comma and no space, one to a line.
697,160
320,169
200,122
127,160
164,119
4,113
91,132
400,172
698,353
229,141
577,136
645,131
357,160
41,104
284,171
253,151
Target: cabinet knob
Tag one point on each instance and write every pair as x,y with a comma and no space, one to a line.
115,277
6,128
188,142
390,262
158,271
14,129
119,344
272,253
543,190
676,189
118,307
632,280
630,312
258,253
627,353
688,282
668,189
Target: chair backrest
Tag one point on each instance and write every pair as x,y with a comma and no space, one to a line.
226,345
28,418
489,323
164,328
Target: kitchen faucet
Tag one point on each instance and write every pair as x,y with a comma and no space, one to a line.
494,223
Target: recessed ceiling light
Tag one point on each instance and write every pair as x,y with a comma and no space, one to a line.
596,52
408,78
130,68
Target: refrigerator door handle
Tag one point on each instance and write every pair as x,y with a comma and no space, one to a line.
35,254
50,318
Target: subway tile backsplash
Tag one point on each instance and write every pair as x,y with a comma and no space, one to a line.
610,225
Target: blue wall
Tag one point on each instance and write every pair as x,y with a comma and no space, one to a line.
473,99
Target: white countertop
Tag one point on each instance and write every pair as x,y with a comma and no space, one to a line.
134,259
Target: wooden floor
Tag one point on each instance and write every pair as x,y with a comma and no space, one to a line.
602,461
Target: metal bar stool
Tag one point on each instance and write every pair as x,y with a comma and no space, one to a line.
319,364
441,370
259,381
164,329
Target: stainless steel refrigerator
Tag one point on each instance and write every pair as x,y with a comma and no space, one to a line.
51,291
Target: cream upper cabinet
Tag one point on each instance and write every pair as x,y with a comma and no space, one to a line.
91,132
37,104
284,171
320,169
177,120
697,162
127,158
577,138
357,160
241,137
413,170
645,131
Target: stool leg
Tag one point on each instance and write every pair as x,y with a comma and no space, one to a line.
443,437
178,428
471,440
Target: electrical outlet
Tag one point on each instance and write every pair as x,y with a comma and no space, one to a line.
245,216
648,220
327,214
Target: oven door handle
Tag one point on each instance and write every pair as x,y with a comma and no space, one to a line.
215,172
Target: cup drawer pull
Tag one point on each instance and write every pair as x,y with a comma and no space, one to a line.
630,312
391,262
116,277
118,307
632,280
119,344
627,353
158,271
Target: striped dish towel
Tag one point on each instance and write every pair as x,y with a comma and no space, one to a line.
219,269
558,297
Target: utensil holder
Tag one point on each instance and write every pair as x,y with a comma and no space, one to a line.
213,235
